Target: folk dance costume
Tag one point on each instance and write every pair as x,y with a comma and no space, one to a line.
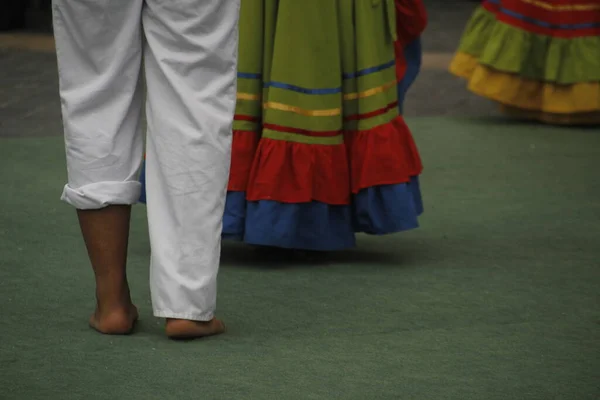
320,151
540,59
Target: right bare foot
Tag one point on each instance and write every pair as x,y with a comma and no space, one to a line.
115,322
186,329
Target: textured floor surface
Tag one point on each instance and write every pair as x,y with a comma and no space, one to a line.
495,297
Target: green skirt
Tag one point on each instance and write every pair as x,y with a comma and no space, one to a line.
317,115
540,60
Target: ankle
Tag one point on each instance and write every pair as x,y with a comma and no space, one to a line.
113,306
114,322
113,297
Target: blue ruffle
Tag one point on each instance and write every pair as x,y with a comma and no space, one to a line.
307,226
318,226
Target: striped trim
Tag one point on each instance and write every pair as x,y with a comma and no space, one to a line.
562,7
318,113
371,92
326,112
310,91
279,132
348,96
250,118
248,75
301,111
311,133
381,111
298,131
248,96
298,89
302,138
323,112
499,8
370,70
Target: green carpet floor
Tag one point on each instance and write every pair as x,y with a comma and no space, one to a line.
496,296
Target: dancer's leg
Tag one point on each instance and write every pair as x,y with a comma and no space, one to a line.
191,58
99,51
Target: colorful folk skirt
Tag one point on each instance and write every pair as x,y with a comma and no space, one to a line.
540,59
320,151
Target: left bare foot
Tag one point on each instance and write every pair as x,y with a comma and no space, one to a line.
186,329
119,321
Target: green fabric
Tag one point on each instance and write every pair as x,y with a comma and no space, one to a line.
250,60
290,137
495,298
311,44
529,55
373,44
246,126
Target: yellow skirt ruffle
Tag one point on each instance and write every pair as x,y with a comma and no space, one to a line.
572,104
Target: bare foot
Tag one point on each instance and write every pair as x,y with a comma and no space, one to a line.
186,329
116,322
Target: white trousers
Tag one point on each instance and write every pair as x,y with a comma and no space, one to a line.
189,51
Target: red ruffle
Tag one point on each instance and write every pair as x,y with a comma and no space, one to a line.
384,155
411,21
242,156
291,172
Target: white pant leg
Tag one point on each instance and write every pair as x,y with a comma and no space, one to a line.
191,62
99,48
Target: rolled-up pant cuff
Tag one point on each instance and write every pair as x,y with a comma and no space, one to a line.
200,317
102,194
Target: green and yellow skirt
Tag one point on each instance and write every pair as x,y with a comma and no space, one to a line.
539,59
